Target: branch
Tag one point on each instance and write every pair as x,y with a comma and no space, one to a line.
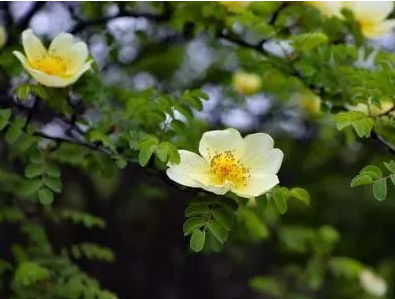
81,25
258,47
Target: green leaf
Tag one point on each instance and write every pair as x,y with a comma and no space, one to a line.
23,92
218,231
85,219
29,273
268,285
30,186
197,210
309,41
161,152
54,183
373,171
178,126
361,179
223,217
121,163
300,194
261,202
392,177
145,153
12,134
280,200
45,196
5,115
193,99
197,240
52,170
174,156
192,224
255,228
361,123
35,156
345,267
32,170
390,166
380,189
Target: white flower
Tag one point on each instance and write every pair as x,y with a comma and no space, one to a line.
328,8
228,162
308,102
61,65
372,283
372,15
3,36
246,83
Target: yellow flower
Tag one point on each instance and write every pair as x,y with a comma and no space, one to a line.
372,15
235,5
61,65
228,162
309,103
328,8
372,110
246,83
3,36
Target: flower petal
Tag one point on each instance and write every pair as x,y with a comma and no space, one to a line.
257,144
370,11
190,168
220,190
328,8
61,44
257,185
378,29
260,156
219,141
32,45
49,80
86,66
78,55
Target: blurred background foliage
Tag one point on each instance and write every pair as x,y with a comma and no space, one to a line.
98,225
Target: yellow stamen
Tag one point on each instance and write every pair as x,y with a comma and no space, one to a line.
226,167
51,65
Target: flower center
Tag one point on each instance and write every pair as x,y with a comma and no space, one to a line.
51,65
227,168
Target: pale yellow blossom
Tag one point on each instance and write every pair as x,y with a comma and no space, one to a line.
60,65
328,8
309,103
246,83
371,15
372,283
3,36
228,162
235,5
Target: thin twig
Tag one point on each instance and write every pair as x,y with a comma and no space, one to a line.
81,25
